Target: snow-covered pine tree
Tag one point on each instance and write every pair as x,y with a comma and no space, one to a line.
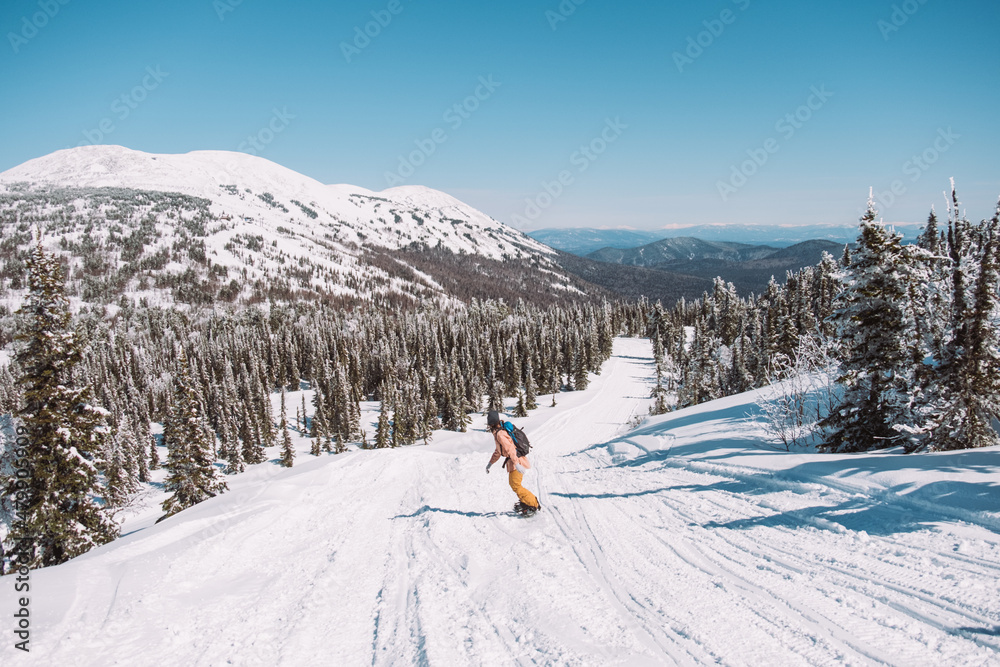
382,430
265,419
873,327
659,406
120,480
154,455
319,431
581,377
430,417
530,388
931,297
253,449
191,473
967,382
303,425
62,517
350,420
519,409
140,438
287,451
495,395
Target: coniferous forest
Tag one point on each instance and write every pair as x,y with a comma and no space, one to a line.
907,335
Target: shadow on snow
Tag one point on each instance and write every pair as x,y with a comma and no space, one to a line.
440,510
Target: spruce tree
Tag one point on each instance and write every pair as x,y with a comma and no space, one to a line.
873,327
659,406
382,435
141,436
154,454
119,478
495,396
530,389
581,379
968,379
61,517
287,451
191,473
520,410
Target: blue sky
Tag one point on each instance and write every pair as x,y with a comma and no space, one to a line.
640,114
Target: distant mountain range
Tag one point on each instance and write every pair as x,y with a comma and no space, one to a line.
749,267
664,253
583,241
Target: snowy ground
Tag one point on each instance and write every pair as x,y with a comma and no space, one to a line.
685,541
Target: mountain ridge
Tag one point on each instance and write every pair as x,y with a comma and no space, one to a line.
749,267
583,241
210,226
681,248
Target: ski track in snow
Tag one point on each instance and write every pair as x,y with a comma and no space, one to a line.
640,556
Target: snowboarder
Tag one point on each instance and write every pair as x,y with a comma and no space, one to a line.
515,465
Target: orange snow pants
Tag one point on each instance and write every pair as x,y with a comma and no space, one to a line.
525,496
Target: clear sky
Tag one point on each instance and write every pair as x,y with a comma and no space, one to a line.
651,113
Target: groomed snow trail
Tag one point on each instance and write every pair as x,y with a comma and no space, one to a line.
652,548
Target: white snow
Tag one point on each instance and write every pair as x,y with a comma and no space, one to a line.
687,540
341,207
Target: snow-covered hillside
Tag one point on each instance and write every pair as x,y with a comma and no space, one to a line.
242,218
391,218
688,540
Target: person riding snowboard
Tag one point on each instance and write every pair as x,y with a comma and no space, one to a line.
515,465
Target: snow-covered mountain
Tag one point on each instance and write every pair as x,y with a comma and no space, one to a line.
216,218
391,218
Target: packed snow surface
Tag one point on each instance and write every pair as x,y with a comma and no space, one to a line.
687,540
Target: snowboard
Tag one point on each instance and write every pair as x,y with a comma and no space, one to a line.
524,511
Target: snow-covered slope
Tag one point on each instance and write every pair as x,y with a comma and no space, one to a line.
424,215
688,540
240,218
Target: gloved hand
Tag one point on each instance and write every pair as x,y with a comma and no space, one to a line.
488,468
